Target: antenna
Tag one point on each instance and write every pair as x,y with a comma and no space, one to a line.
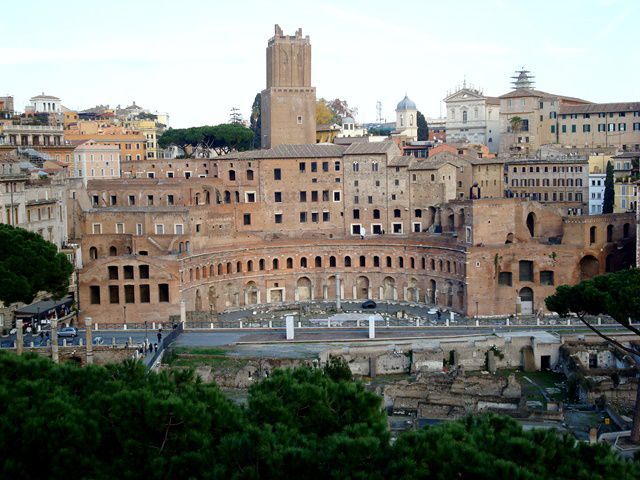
378,111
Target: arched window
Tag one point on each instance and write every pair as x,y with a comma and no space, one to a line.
227,196
237,196
232,175
93,253
303,262
113,251
412,261
401,120
411,120
275,264
433,264
249,174
389,262
318,262
347,261
211,270
531,224
464,116
401,262
332,261
261,264
238,267
376,261
424,263
219,269
363,261
228,269
289,262
250,266
592,235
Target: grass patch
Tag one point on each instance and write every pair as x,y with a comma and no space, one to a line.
217,363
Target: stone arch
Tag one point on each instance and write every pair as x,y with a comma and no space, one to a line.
460,296
230,295
197,199
589,267
332,261
303,262
531,224
433,264
412,290
212,270
362,287
275,264
430,216
227,196
331,287
93,253
451,220
113,251
433,291
449,294
303,285
198,301
212,295
347,261
526,301
362,261
509,238
389,288
219,269
228,269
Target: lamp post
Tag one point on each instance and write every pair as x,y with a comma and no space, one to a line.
476,309
146,333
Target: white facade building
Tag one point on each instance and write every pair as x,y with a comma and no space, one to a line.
46,104
349,128
473,118
407,119
93,160
596,193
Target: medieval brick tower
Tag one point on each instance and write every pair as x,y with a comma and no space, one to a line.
289,101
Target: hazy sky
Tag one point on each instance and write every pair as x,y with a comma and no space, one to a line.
198,59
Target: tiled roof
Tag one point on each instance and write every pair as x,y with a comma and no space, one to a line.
401,161
522,92
369,148
321,150
493,100
601,108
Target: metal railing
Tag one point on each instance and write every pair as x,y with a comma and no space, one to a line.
167,340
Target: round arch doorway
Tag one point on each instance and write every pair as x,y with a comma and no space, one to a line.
526,301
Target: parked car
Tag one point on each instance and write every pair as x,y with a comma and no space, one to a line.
369,304
68,332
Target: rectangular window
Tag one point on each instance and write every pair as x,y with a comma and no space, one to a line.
302,166
129,294
278,218
113,273
170,200
303,217
139,230
247,219
336,166
586,128
303,196
564,129
326,216
325,166
526,271
145,294
249,197
553,129
120,228
114,200
143,271
325,195
277,197
314,166
159,229
128,272
546,277
163,292
314,196
356,213
314,217
94,294
277,174
505,279
336,195
355,229
397,227
114,294
132,200
97,228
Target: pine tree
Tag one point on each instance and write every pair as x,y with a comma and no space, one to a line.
609,194
423,128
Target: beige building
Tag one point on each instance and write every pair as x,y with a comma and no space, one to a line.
289,101
600,125
92,160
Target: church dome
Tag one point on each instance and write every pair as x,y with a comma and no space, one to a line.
406,104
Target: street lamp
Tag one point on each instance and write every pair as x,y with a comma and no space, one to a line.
476,309
146,333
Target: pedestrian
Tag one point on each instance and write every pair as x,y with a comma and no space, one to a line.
155,347
439,314
159,336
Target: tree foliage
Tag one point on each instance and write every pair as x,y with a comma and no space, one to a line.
333,111
222,138
256,121
609,193
29,264
423,128
119,421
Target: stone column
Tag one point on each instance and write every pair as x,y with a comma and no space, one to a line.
183,312
54,341
89,338
338,306
19,337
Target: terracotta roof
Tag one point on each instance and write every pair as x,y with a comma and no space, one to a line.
493,100
601,108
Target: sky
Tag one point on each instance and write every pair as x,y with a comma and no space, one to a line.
198,59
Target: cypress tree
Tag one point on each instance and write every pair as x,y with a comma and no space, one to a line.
609,193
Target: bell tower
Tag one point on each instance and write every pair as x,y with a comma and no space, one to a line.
289,102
